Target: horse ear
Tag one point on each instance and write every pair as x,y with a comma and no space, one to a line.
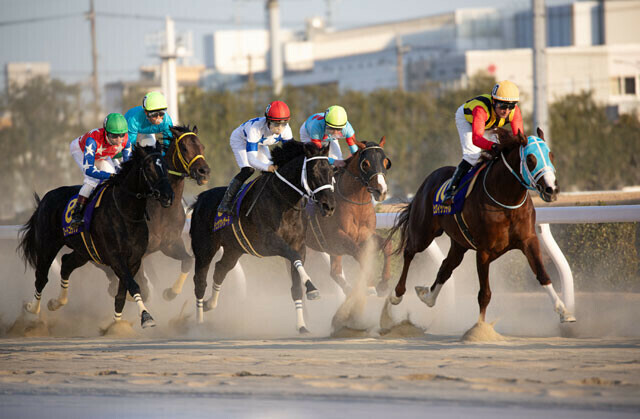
521,138
174,131
382,141
195,129
540,133
360,145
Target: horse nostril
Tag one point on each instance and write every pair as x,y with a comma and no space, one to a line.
549,190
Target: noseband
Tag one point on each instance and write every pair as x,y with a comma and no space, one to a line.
308,193
186,166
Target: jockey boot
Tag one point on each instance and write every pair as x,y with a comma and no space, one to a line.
226,206
461,170
78,211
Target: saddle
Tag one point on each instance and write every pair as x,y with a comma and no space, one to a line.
464,189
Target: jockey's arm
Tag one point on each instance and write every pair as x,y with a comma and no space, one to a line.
477,128
89,163
350,137
516,122
253,152
126,151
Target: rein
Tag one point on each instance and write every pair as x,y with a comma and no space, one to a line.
153,192
186,166
308,193
341,195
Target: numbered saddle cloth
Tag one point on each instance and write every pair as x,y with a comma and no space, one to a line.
464,189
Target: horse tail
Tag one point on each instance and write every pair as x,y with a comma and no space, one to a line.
28,246
401,224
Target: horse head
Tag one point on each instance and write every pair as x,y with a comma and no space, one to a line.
373,164
186,154
154,172
318,180
536,162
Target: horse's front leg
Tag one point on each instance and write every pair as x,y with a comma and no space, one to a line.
337,274
280,247
483,259
531,249
176,250
126,274
386,248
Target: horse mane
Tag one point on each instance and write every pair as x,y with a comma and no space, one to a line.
182,128
287,152
506,142
126,167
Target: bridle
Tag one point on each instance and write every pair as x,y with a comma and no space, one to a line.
307,193
363,176
177,153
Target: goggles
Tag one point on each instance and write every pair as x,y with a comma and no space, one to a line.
278,123
155,114
505,105
112,136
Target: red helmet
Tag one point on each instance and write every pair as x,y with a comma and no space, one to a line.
277,111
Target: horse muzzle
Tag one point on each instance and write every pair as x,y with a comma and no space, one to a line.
548,193
201,174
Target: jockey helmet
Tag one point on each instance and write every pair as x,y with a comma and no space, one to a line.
277,111
335,117
154,101
115,123
505,91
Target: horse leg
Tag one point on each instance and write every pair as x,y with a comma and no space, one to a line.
70,262
296,257
483,259
531,249
452,261
387,250
46,255
120,300
223,266
127,275
296,295
337,274
176,250
203,250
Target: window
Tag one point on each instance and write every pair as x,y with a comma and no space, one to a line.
629,85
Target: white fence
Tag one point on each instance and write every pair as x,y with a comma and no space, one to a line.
544,217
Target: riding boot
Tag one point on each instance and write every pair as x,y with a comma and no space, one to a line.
226,206
77,217
461,170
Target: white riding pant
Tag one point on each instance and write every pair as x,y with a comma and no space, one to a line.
470,152
146,140
104,165
334,146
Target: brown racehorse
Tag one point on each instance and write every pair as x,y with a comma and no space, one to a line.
499,214
353,224
185,159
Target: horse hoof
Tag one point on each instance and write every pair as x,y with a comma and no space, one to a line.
29,308
313,295
371,292
53,304
146,320
168,294
395,300
567,318
303,330
424,294
208,305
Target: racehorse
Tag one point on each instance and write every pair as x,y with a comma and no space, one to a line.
271,222
118,233
497,217
353,226
184,158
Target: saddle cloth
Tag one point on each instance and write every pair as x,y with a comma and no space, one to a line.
464,189
67,228
222,220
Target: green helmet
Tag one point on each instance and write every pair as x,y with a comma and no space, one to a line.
335,116
154,101
115,123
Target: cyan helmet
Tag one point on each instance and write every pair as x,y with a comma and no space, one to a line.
115,123
154,101
335,117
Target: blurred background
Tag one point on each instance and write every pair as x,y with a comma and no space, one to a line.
400,68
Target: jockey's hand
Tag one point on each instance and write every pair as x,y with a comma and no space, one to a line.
494,152
272,168
339,163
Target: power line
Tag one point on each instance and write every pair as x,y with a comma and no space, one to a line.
39,19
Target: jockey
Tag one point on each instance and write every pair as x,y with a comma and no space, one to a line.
477,115
330,126
93,152
149,119
250,144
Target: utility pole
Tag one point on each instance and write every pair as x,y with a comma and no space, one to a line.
400,51
276,48
168,71
91,16
540,109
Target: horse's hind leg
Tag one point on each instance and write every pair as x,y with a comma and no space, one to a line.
414,245
531,249
176,250
223,266
70,262
46,255
452,261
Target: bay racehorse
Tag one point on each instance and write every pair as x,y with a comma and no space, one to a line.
275,225
118,233
499,216
184,159
353,225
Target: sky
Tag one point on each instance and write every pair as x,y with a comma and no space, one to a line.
57,32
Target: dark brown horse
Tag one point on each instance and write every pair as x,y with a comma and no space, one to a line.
353,225
498,212
184,158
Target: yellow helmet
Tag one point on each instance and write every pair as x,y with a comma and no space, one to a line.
154,101
335,117
506,91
